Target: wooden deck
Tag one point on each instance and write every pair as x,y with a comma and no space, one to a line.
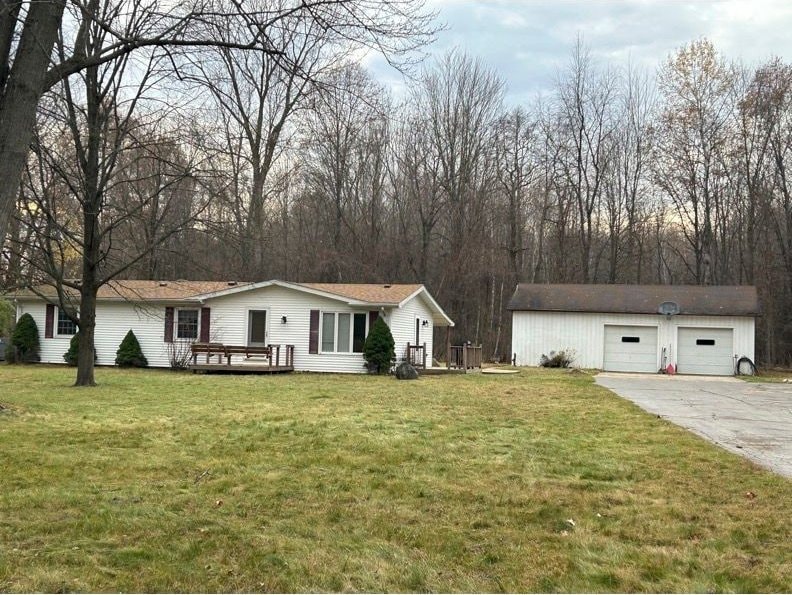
240,368
242,359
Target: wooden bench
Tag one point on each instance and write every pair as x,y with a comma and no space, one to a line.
248,351
209,349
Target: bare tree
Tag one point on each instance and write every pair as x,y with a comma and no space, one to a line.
347,134
697,90
584,104
627,188
516,168
28,66
96,167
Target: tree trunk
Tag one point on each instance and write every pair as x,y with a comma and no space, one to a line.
85,354
91,244
9,13
21,96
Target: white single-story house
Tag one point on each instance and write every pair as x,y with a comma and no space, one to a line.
326,323
636,328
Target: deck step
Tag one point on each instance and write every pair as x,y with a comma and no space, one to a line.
240,369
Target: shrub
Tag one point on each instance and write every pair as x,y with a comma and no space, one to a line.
179,354
129,354
379,350
70,357
24,346
557,359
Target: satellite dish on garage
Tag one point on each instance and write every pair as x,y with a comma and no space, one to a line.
668,308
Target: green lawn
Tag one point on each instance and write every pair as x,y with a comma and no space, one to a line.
541,481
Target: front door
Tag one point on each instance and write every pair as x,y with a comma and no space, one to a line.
417,331
257,328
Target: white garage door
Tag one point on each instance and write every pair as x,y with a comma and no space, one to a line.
630,348
705,351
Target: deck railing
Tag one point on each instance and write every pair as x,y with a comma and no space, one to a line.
271,353
288,355
416,355
465,357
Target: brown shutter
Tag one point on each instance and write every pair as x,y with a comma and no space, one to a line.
169,325
373,315
205,312
49,323
313,335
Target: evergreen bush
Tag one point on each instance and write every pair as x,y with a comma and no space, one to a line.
24,346
379,350
129,354
70,357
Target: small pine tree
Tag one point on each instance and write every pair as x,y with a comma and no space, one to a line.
70,357
379,350
129,354
24,345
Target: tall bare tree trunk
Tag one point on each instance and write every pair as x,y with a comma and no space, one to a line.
22,92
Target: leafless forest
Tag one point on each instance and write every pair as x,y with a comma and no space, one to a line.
212,161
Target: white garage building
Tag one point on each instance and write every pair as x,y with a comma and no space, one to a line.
636,328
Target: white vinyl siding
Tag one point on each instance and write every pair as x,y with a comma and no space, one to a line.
229,324
296,306
402,324
537,333
113,321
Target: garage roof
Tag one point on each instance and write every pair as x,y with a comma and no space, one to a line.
697,300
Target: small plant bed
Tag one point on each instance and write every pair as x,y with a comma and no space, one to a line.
541,481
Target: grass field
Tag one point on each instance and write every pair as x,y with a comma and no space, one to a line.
542,481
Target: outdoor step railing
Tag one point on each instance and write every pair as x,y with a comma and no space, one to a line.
465,357
416,355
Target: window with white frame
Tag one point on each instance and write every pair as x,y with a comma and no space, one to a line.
343,332
187,324
66,325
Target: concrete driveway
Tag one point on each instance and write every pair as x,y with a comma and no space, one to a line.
750,419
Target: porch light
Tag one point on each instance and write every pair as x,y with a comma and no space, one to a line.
283,320
425,323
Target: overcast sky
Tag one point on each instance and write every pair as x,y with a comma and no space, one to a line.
526,41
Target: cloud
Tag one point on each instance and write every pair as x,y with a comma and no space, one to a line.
527,42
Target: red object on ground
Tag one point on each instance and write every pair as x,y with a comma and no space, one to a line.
670,369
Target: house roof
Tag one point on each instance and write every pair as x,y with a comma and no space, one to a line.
368,292
138,290
697,300
362,294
